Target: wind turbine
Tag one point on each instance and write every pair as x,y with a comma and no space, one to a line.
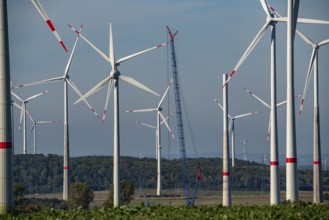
160,117
113,79
227,195
34,129
231,126
45,17
317,181
23,115
67,81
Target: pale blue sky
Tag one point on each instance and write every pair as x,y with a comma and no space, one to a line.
212,37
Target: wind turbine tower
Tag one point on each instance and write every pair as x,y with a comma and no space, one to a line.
245,150
6,150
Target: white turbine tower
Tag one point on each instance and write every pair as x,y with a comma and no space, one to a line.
160,117
231,127
227,196
245,150
23,115
67,81
34,129
113,79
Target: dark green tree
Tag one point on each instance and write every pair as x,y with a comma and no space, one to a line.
126,194
80,195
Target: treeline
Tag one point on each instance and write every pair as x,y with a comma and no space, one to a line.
44,174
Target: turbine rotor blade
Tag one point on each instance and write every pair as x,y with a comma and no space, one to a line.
308,78
111,45
166,118
108,95
21,117
40,82
323,43
139,53
304,37
268,130
146,125
137,84
44,15
248,51
215,100
31,129
71,55
264,5
93,90
165,122
47,122
37,95
75,88
311,21
165,93
244,115
91,44
17,105
142,110
16,96
256,97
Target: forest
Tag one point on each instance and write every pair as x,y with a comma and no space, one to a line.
44,173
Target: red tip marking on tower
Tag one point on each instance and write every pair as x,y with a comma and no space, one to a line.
291,160
5,145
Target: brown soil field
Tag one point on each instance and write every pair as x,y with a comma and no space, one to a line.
204,197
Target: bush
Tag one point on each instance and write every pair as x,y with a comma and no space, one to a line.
126,192
80,196
18,192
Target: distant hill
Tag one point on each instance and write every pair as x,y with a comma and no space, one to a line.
44,174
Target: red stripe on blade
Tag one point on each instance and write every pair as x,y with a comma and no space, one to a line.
274,163
5,145
316,162
291,160
232,73
226,173
66,168
63,45
51,26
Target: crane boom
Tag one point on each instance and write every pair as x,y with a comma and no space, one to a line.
179,116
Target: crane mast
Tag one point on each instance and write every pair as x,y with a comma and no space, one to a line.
179,116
